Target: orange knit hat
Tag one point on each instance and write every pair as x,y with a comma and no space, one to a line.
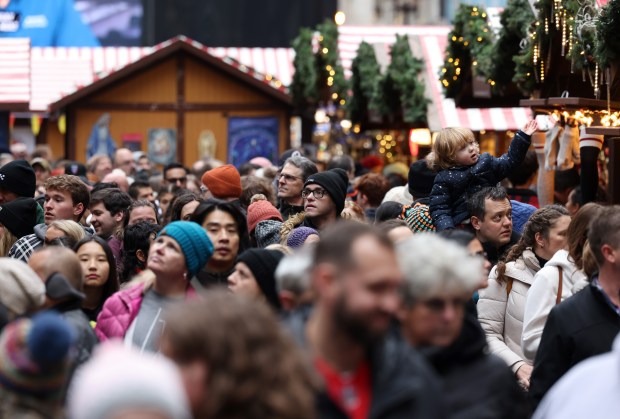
223,182
260,210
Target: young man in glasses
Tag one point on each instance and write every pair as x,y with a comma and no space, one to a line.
291,181
324,195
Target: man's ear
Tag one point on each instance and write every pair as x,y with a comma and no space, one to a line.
288,300
475,222
609,253
78,209
324,278
118,217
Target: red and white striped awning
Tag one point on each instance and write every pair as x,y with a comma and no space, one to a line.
429,44
14,71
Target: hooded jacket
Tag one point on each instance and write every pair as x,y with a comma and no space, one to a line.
403,385
541,298
500,310
495,393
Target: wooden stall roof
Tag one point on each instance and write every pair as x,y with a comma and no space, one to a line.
247,75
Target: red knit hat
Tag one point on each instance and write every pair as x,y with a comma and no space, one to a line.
260,210
223,182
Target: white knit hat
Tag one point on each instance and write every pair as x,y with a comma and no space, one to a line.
118,378
21,289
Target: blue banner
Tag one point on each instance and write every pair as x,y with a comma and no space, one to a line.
252,137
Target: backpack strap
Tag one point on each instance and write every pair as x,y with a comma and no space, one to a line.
558,297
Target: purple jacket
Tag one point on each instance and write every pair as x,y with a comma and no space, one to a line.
120,310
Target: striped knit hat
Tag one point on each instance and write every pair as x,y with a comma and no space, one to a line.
34,355
419,219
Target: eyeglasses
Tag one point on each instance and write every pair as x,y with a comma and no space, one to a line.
438,305
318,193
288,178
177,179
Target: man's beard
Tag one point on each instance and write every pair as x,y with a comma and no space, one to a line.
355,326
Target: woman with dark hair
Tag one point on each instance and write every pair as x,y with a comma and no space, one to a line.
227,228
183,207
137,240
502,303
99,269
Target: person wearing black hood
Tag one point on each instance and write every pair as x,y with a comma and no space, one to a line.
438,284
324,194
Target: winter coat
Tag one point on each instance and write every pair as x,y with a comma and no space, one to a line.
120,310
583,326
286,210
465,362
541,298
403,384
500,310
453,187
571,398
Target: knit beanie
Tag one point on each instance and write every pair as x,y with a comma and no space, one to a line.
119,378
419,219
421,179
263,264
19,216
521,212
260,210
194,242
267,232
21,289
335,182
398,194
299,235
223,182
34,355
18,177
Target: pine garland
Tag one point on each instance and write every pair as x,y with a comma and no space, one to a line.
328,60
400,88
364,82
469,39
499,65
608,32
303,86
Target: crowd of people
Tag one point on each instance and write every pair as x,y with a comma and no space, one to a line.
305,289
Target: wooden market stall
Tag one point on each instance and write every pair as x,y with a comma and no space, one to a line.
179,88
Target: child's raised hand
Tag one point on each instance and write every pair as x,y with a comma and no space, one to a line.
531,127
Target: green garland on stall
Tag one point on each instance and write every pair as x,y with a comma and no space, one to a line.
582,42
303,86
607,48
499,65
470,40
328,60
401,87
364,82
529,73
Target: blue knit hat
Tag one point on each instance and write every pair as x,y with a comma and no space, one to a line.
194,242
521,212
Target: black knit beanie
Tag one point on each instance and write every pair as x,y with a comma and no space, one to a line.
335,182
18,177
19,216
263,264
421,179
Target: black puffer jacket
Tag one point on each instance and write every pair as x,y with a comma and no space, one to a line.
580,327
403,384
476,385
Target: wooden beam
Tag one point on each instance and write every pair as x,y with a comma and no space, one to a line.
188,107
609,131
180,107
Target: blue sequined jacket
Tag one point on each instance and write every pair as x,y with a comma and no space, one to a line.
452,187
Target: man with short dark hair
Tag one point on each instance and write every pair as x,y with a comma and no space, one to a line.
176,174
140,190
585,324
491,220
66,198
356,278
108,209
291,181
324,194
371,188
